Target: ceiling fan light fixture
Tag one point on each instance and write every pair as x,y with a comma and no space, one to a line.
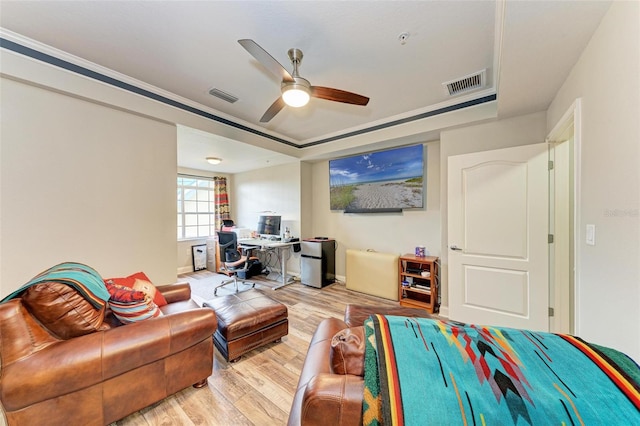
295,90
295,95
214,160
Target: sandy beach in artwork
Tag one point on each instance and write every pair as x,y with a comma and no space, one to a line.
389,194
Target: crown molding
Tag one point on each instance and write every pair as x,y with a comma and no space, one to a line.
70,63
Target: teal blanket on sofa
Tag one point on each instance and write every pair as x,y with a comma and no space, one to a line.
81,277
422,371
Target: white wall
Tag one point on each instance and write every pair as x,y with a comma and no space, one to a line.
607,79
272,189
522,130
83,182
389,233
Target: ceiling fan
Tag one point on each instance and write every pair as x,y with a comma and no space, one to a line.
296,90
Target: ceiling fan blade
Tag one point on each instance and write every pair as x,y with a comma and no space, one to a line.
338,95
273,110
266,60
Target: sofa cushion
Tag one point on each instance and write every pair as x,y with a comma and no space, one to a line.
139,281
347,351
63,310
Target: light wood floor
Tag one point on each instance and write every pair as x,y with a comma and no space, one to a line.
257,389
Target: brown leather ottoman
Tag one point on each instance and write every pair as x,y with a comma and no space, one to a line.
246,321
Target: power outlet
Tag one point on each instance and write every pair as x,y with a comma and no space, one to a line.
591,235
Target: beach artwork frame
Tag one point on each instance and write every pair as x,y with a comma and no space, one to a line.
386,180
199,255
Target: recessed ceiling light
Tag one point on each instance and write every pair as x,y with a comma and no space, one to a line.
214,160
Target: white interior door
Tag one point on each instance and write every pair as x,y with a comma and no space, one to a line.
498,236
561,224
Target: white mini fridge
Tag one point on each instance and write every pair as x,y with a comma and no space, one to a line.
318,261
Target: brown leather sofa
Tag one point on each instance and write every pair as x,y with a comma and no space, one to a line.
325,395
107,374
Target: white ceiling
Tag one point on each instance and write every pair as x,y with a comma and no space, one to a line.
188,47
194,146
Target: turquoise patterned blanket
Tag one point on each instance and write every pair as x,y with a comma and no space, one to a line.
77,275
421,371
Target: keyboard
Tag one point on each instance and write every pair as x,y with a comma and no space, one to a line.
261,242
252,241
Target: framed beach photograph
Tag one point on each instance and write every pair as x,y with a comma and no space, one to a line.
378,181
199,253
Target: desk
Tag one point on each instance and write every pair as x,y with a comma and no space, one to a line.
270,245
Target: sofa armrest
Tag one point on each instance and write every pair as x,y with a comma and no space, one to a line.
316,362
78,363
333,399
175,292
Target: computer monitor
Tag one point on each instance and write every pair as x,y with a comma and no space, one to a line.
269,225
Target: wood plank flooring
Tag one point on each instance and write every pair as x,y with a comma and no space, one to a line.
258,389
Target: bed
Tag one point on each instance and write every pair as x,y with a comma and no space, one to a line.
426,371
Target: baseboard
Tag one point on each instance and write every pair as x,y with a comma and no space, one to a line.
444,312
185,270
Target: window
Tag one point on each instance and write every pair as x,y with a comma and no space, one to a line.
196,207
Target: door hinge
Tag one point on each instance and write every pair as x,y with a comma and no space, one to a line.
551,312
550,165
550,238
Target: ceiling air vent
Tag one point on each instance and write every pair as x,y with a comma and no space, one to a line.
465,84
223,95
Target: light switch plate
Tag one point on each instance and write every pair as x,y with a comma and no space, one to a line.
591,235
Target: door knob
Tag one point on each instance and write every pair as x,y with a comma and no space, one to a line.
455,248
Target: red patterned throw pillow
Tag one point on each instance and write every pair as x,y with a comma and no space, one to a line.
128,312
129,305
123,294
139,281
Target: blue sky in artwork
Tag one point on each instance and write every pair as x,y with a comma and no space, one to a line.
393,164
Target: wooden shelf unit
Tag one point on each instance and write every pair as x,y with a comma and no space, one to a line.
423,291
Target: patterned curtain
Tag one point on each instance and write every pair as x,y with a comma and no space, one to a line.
221,200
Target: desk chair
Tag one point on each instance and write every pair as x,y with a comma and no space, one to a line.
227,225
232,259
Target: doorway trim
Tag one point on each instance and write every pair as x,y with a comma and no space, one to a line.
571,123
